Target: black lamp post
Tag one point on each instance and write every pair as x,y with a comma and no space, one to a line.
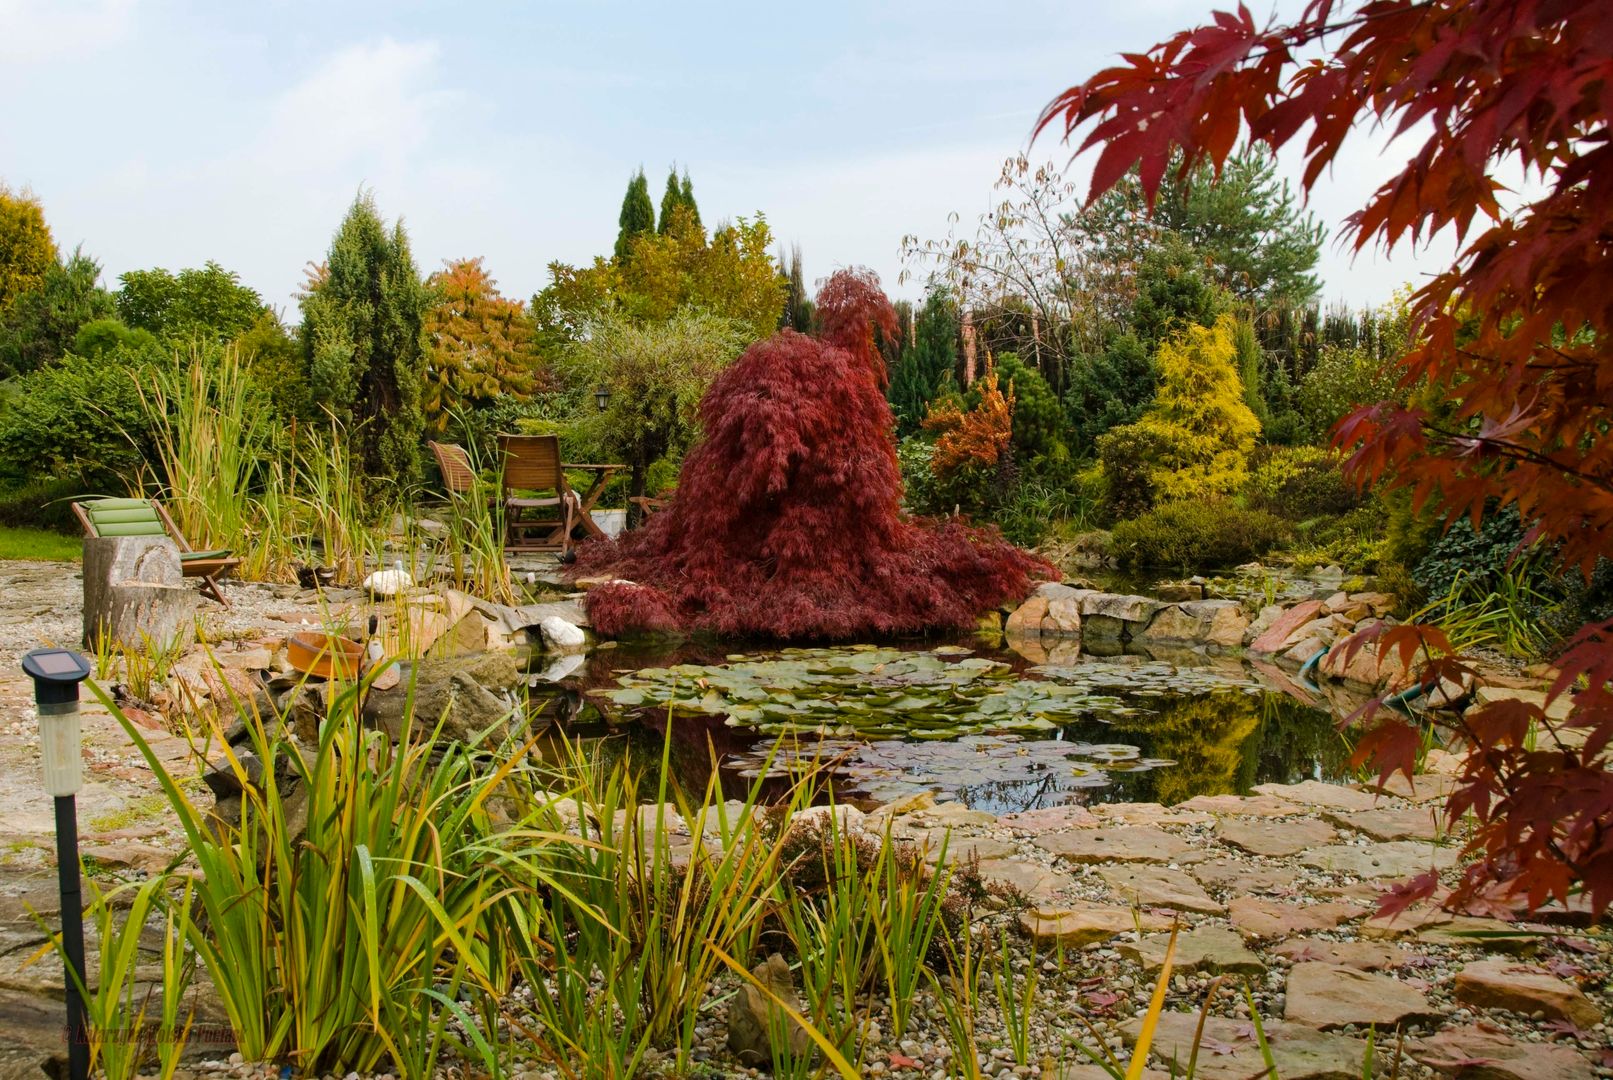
56,674
602,396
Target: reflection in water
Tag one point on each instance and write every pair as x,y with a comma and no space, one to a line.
1176,739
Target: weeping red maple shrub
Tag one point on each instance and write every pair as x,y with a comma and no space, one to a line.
787,520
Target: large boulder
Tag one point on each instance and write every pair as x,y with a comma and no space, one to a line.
756,1018
135,593
1208,622
471,695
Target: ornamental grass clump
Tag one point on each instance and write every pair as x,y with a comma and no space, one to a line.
787,521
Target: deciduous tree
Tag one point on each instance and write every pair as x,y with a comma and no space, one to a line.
43,323
27,250
787,519
479,343
1478,87
209,303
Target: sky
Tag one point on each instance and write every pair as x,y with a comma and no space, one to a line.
164,133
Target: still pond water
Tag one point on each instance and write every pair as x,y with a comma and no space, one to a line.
964,721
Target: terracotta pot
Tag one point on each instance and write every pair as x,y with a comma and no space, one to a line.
325,655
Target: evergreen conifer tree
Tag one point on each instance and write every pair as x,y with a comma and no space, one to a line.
637,217
363,342
928,360
671,199
686,197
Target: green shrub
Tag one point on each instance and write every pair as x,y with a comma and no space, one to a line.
1298,483
1197,534
78,420
1128,454
1354,540
1038,417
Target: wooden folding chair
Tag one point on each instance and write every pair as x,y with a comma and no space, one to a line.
532,464
148,517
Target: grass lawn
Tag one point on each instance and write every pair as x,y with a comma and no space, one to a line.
39,544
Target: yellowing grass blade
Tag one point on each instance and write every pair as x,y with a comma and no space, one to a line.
836,1058
1145,1036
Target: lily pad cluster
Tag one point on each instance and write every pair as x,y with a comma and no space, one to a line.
868,693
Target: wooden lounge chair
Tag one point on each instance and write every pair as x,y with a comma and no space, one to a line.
532,464
454,464
148,517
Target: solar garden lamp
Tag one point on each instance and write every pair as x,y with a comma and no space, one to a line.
57,674
602,397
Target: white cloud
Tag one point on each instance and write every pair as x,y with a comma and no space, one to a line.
36,32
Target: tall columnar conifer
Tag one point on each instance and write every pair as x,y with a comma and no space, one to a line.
686,197
27,251
637,216
363,342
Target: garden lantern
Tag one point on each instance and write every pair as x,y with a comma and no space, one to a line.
56,674
602,396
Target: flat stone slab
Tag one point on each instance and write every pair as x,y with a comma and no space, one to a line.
1261,919
1242,805
1081,923
1275,839
1424,787
1332,996
1396,859
1033,881
1475,1053
1243,876
1317,795
1390,822
1149,813
1272,640
1364,955
1155,886
1050,819
1209,948
1121,843
961,849
1523,988
1229,1051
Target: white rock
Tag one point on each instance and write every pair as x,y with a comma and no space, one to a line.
384,583
561,636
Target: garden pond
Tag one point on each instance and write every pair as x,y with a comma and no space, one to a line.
961,720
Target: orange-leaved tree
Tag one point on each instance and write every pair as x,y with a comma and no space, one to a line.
1478,90
480,343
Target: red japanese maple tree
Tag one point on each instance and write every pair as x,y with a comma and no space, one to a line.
1475,86
787,519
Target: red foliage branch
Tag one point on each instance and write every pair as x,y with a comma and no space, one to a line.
787,519
1526,84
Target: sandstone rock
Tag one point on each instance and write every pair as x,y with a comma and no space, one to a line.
1102,629
1085,923
1124,844
1498,984
1050,819
1027,618
1558,710
1242,876
1366,667
1275,839
1271,641
1478,1053
1036,883
1365,955
756,1018
1128,609
1390,822
1332,996
473,692
1209,948
1302,651
1155,886
1148,813
1300,1053
1469,931
1242,805
1210,622
962,849
1422,788
1314,793
1381,603
135,593
388,583
1401,858
1264,920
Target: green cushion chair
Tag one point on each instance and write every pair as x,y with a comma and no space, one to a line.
148,517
